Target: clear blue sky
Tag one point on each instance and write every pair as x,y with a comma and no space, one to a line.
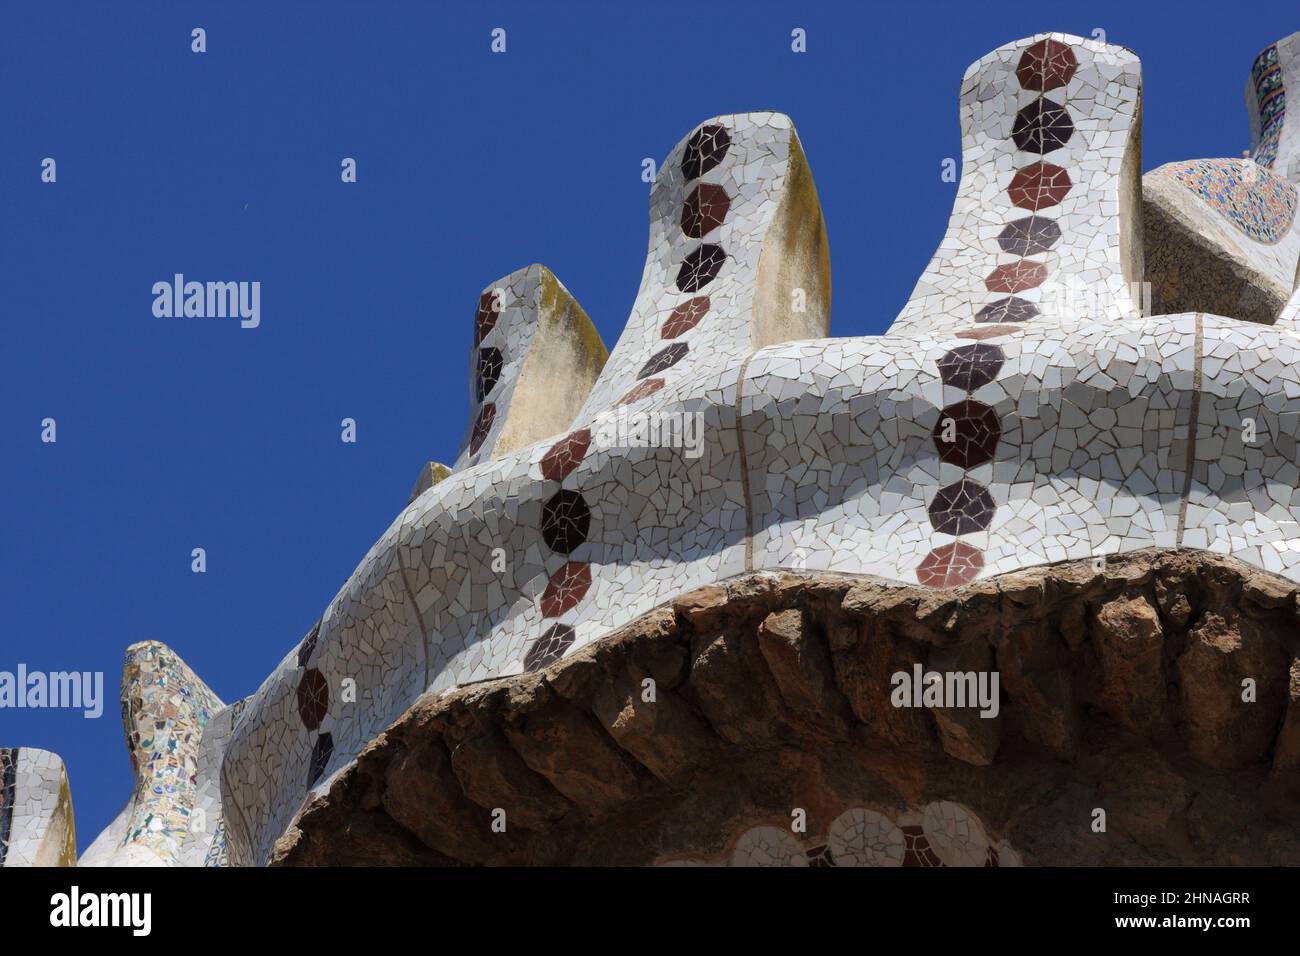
176,434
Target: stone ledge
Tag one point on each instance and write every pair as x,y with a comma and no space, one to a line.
1121,690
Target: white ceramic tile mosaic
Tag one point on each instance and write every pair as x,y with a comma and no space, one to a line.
36,825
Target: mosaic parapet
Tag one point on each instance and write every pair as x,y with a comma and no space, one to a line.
448,572
1046,226
36,822
1275,133
1169,431
965,443
1165,432
165,710
535,358
940,834
362,659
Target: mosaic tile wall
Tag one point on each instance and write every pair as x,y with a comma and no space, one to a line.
36,821
428,608
1002,422
968,441
1275,134
1050,141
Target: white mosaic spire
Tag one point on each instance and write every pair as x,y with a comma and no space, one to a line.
1044,226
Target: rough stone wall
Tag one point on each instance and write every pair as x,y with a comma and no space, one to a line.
1121,691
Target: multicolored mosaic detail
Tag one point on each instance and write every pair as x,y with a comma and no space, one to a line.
165,707
1270,99
8,780
1254,199
968,431
943,834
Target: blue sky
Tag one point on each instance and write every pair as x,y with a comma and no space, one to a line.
175,434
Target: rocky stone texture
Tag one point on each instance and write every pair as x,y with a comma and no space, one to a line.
1121,690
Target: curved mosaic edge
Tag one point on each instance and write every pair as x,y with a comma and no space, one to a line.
432,473
1255,201
36,819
